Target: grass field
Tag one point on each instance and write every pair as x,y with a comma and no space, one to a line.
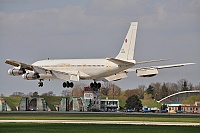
91,128
13,101
99,116
94,128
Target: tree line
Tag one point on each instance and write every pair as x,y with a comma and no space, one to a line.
157,90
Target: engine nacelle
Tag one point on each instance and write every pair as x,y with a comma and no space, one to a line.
147,72
16,72
31,76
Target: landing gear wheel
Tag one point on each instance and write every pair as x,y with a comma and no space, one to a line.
64,84
68,84
99,85
40,84
71,84
95,85
91,85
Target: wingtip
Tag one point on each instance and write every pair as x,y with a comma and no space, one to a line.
190,63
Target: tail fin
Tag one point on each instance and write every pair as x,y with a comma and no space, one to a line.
127,50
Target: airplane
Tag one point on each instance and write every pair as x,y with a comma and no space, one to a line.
107,69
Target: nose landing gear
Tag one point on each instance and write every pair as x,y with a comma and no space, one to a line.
40,84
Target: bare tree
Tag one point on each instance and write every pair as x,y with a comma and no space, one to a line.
30,94
66,92
18,94
114,90
50,93
157,92
197,87
78,89
110,89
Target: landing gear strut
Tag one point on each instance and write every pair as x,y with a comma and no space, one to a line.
40,84
95,85
68,84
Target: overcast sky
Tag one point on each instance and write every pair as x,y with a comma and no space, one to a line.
32,30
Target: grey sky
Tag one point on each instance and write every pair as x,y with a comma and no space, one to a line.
40,29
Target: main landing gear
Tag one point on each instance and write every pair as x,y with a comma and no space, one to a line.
40,84
95,85
68,84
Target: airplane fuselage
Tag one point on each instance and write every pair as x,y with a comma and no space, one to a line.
87,68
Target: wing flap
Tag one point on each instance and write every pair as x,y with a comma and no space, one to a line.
61,75
151,61
66,76
40,70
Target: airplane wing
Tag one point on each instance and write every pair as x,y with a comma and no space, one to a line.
153,70
73,76
129,62
175,65
160,67
66,76
17,64
151,61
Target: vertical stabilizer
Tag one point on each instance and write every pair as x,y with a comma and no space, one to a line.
127,50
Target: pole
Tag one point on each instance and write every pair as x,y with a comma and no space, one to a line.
113,90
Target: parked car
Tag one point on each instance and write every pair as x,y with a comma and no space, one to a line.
128,110
146,111
163,111
179,111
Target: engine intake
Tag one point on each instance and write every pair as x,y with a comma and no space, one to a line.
31,76
147,72
16,72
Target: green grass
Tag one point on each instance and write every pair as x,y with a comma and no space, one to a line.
150,103
99,116
52,100
191,99
12,101
91,128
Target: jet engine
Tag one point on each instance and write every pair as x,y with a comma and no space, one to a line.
147,72
16,71
31,76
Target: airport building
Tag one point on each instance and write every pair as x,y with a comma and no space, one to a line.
109,105
3,105
33,104
184,108
91,101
